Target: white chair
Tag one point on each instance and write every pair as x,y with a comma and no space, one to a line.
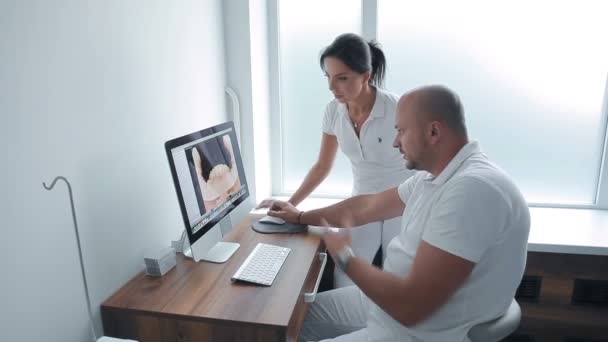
499,328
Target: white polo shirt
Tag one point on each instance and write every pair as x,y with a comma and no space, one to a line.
376,165
473,210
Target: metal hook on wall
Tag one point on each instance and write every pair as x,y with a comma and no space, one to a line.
84,278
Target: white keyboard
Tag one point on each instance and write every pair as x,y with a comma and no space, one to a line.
262,264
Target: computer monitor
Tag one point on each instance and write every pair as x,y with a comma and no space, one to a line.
210,182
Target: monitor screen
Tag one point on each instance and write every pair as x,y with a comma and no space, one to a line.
208,175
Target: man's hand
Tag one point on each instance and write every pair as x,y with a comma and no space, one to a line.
335,242
284,210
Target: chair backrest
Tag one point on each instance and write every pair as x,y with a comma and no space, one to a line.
499,328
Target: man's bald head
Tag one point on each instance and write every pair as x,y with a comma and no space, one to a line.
437,103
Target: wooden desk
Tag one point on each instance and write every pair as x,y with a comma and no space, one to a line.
198,302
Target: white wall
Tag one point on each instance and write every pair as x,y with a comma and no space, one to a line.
91,90
246,39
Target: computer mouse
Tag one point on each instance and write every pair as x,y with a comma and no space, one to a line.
272,220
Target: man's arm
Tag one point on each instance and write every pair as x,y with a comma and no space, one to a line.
455,239
433,279
357,210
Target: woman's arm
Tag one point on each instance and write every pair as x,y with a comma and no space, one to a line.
319,171
197,166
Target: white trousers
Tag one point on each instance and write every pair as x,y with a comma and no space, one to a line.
366,241
340,315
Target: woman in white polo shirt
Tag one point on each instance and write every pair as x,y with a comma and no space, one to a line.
360,120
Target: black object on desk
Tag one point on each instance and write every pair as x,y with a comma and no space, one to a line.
271,228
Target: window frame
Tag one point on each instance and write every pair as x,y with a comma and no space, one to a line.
276,132
369,29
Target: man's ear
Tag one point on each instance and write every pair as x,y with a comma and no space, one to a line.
434,131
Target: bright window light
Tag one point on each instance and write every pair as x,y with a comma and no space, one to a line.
305,28
532,76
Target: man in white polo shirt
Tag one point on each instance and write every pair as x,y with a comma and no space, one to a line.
461,251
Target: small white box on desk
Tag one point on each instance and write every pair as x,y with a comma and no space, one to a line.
159,262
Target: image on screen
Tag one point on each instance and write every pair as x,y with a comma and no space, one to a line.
209,176
214,172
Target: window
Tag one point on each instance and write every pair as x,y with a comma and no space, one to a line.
532,76
304,29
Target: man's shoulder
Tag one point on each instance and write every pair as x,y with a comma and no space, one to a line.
417,177
484,176
414,180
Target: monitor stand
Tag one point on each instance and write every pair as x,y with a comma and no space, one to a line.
210,246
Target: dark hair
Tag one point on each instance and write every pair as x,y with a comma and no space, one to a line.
213,152
441,103
358,55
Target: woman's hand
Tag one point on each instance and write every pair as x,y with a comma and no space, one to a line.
284,210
